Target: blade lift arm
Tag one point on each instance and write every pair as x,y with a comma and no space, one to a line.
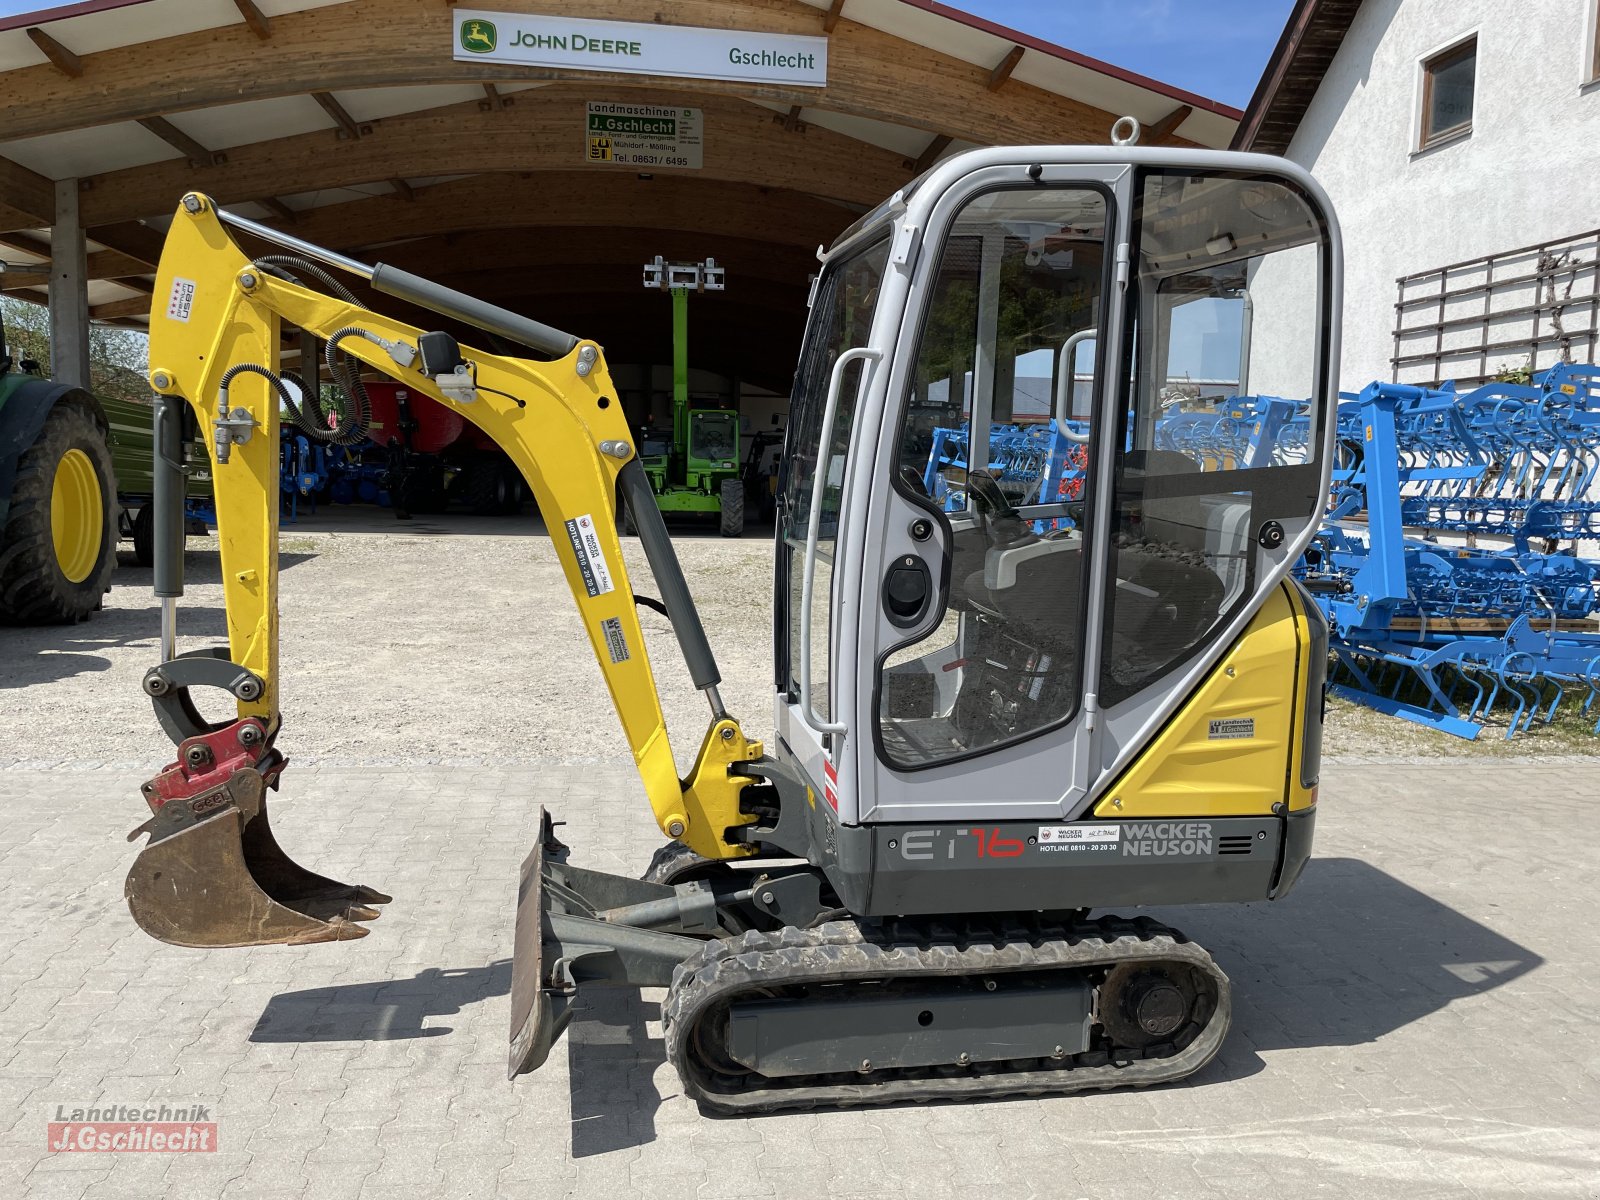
559,421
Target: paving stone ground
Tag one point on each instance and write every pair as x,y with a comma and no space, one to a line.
1417,1020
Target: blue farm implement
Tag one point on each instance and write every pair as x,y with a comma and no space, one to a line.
1427,624
1044,463
1033,464
304,469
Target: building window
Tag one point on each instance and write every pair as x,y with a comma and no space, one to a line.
1448,81
1594,43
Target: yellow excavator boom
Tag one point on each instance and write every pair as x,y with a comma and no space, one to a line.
559,421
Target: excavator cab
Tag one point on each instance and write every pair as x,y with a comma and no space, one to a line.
1004,649
1060,426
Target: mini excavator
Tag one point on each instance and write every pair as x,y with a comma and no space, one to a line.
992,713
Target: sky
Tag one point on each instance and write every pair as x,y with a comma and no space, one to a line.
1214,47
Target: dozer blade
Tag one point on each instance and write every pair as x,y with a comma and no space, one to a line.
533,1019
573,929
213,875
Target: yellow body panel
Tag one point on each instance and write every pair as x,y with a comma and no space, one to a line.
1193,769
212,311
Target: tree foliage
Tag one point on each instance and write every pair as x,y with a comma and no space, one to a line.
118,358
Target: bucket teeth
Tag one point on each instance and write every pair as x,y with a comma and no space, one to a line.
212,874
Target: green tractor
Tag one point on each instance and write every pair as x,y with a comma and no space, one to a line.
58,497
697,470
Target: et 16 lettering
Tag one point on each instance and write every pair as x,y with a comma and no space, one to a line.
992,845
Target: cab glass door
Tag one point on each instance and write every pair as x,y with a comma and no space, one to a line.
993,433
847,296
1216,468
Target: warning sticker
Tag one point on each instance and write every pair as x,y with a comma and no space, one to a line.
642,135
591,559
1056,834
181,300
615,642
1233,727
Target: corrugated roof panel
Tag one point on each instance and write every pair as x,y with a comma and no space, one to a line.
103,291
929,29
16,259
89,151
338,195
373,104
253,121
1209,129
898,138
1118,97
130,24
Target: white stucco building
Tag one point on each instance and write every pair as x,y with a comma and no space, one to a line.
1460,142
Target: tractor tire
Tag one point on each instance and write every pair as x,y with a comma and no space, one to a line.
514,489
731,522
422,491
144,535
59,543
490,486
627,521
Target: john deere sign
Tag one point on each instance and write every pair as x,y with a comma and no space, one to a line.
678,50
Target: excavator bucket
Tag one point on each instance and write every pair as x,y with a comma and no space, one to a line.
213,875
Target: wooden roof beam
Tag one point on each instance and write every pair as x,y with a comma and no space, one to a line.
26,243
790,120
65,60
113,264
278,209
259,23
180,141
29,197
578,199
1169,123
130,239
831,17
16,281
346,123
403,189
492,99
738,149
562,249
931,153
871,74
131,306
1003,69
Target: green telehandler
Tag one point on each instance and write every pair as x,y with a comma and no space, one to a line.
697,470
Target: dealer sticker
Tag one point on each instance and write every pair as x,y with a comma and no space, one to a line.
615,642
181,300
591,559
1055,834
1233,727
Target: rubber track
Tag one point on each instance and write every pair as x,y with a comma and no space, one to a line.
671,862
840,951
